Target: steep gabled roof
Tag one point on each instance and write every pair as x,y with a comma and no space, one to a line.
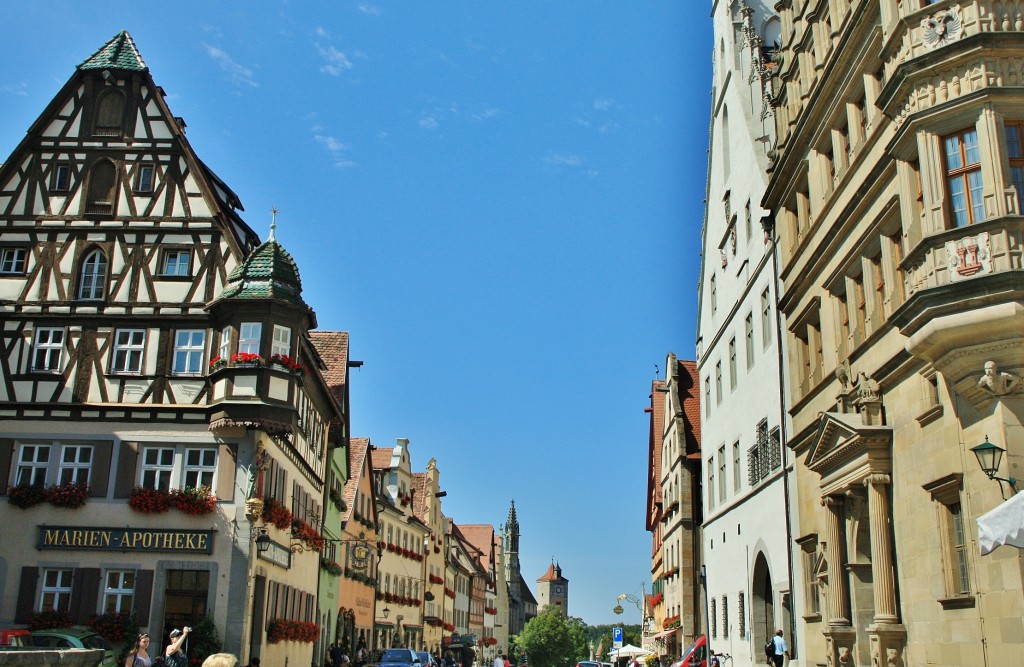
381,457
419,496
655,446
689,396
119,53
525,594
332,346
554,573
357,454
481,537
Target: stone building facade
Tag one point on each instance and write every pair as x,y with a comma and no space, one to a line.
897,187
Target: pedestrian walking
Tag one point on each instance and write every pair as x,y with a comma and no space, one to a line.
780,647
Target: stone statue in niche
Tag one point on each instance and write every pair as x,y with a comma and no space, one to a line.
995,382
893,659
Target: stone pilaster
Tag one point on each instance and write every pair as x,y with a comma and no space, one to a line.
838,595
881,552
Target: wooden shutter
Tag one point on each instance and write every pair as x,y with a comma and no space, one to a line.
227,465
6,458
85,591
127,462
26,594
143,596
259,595
100,474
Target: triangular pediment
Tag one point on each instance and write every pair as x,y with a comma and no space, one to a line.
843,440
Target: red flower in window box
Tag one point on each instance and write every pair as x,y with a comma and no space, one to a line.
247,358
149,501
218,363
281,630
26,496
289,363
196,502
114,626
308,534
45,620
276,513
71,495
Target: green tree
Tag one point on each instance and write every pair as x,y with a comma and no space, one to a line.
548,640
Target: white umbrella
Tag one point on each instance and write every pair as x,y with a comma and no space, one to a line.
629,651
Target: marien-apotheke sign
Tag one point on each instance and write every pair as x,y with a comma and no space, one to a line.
74,538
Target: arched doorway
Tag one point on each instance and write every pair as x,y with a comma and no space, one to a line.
762,611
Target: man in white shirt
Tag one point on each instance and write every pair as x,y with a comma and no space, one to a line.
781,650
498,661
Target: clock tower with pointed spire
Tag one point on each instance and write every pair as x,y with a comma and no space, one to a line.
553,589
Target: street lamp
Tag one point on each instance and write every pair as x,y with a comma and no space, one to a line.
990,456
263,541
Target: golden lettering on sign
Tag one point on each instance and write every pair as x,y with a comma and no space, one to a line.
123,539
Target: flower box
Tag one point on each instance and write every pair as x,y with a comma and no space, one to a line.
46,620
197,502
282,630
114,626
149,501
291,364
246,359
276,513
307,534
218,363
330,566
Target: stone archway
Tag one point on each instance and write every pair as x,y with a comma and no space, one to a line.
762,609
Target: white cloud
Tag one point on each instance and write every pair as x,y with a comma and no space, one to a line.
566,159
337,150
320,31
428,122
239,74
603,104
489,112
335,61
367,8
15,88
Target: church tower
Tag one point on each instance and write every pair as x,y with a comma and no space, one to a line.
553,589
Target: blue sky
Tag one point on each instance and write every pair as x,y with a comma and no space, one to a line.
501,201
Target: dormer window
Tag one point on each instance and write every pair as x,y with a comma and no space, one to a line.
102,179
110,113
92,280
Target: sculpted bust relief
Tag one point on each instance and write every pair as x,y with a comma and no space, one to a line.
995,382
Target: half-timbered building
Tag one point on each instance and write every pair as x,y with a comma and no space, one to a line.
162,409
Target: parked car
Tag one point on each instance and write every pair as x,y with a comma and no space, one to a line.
15,637
399,657
427,660
75,638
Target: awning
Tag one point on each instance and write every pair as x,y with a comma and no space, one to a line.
663,634
1003,525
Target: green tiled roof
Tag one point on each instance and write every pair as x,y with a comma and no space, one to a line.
268,273
118,53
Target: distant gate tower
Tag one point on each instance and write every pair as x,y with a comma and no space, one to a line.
553,589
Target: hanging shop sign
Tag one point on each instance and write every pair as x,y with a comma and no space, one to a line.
144,540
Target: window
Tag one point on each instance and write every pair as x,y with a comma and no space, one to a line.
75,463
249,337
12,261
741,614
119,591
175,263
963,178
956,573
46,352
725,617
109,113
200,467
711,483
225,343
765,456
144,179
92,280
718,382
732,363
737,475
189,347
714,296
282,343
157,467
721,474
766,316
1014,133
707,396
33,460
748,332
61,178
748,225
128,348
102,182
843,308
712,614
56,590
811,557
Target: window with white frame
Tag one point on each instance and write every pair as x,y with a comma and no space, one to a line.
33,461
92,278
12,261
46,352
249,337
56,590
189,347
225,343
175,263
200,468
119,591
282,341
157,467
128,348
75,464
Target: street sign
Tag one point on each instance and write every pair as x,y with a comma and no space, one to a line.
616,637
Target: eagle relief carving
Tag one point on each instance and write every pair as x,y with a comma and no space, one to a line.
942,28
